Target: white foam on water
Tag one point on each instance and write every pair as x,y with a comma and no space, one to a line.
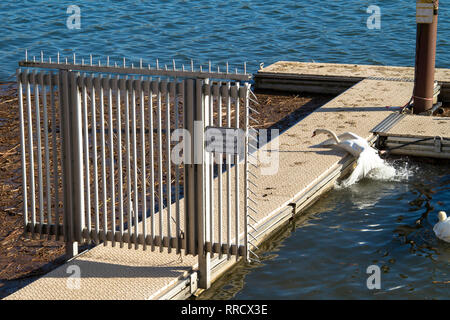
370,165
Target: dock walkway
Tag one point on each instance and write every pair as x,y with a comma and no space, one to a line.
335,78
304,173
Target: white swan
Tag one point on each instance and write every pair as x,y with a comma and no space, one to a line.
348,141
368,158
442,228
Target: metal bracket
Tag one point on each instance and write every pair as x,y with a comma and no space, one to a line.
193,279
294,209
432,110
438,144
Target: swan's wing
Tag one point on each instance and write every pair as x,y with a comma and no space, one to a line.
344,146
344,137
349,136
442,230
351,146
327,143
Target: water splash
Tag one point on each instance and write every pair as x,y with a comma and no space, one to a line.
370,165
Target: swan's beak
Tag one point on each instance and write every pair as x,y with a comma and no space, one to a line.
313,135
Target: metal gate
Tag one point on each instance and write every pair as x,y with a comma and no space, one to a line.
99,145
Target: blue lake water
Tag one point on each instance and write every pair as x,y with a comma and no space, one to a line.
234,31
326,252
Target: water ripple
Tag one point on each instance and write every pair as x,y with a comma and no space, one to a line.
234,31
327,254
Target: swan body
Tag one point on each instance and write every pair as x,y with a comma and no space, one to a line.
442,228
368,158
348,141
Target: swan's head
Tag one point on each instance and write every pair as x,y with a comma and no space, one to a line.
442,216
320,131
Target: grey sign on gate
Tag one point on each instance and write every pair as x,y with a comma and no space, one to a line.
225,140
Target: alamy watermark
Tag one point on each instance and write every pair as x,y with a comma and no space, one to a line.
74,279
374,20
374,280
74,19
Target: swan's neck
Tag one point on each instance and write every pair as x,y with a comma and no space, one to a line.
333,135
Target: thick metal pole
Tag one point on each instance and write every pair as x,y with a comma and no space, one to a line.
67,165
201,209
77,160
189,178
425,63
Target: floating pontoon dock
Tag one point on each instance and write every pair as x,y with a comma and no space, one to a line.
335,78
305,172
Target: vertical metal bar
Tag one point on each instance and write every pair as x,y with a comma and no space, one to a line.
189,177
151,165
39,152
200,188
237,175
77,158
246,195
177,172
120,86
160,171
55,154
128,161
67,162
94,86
31,153
143,166
168,171
62,132
103,161
86,156
46,152
220,170
206,164
228,166
22,78
211,165
111,161
134,151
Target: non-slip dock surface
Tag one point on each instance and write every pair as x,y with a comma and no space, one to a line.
110,274
346,70
114,273
335,78
414,135
420,127
358,110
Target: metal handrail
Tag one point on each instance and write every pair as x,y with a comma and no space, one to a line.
138,71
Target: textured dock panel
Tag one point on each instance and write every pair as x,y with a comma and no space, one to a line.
420,127
336,78
347,70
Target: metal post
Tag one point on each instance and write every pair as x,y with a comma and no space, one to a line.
77,158
67,120
189,182
425,56
201,209
20,81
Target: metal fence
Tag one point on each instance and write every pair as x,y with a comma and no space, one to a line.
98,144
